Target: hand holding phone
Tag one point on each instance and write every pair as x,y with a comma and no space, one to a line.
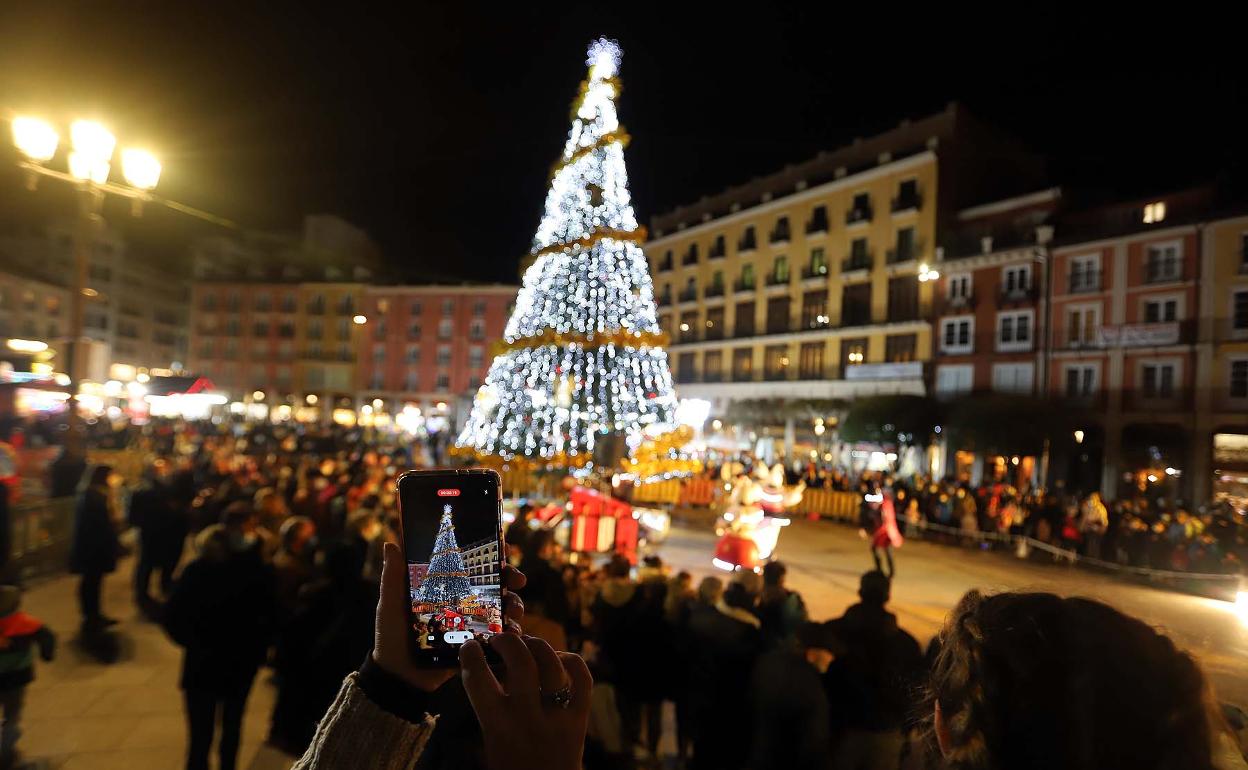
451,523
392,636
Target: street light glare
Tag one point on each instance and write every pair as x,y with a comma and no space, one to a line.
360,320
35,138
140,168
93,149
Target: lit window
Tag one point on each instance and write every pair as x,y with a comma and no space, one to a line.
1154,212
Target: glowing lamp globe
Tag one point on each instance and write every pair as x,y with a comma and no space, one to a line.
93,150
35,138
140,168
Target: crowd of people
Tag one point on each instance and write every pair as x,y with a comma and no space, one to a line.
290,531
1138,530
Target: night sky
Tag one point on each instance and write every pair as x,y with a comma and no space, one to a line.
435,129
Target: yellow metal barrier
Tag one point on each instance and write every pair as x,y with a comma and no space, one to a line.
830,504
666,492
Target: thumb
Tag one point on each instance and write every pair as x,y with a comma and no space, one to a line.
392,605
484,691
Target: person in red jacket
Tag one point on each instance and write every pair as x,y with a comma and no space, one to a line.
20,634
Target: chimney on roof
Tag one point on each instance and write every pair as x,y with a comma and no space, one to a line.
985,243
884,157
840,172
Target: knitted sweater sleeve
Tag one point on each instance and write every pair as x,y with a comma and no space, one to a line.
358,734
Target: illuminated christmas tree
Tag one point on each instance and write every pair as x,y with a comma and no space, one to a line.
446,583
582,355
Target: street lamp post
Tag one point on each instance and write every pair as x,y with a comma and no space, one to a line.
90,163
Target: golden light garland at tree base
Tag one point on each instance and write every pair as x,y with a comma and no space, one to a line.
652,460
658,458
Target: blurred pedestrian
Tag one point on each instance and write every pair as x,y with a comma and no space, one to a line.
95,547
162,529
221,613
326,639
20,635
871,682
780,610
789,710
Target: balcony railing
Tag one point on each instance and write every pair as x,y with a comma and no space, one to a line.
713,376
960,302
664,266
690,258
689,294
856,263
714,290
817,225
743,375
1163,271
717,251
777,279
665,298
1118,336
814,271
907,201
897,255
742,284
857,215
779,235
1011,296
1084,281
748,243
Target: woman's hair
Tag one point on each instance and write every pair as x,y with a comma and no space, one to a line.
1033,680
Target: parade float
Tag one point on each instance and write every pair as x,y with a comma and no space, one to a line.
749,528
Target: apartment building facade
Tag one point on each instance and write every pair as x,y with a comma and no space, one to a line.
811,283
430,344
1221,425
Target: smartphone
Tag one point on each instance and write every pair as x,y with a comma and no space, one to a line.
453,548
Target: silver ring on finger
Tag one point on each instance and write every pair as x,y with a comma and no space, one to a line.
561,698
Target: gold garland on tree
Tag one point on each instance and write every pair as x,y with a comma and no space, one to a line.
637,236
621,339
620,136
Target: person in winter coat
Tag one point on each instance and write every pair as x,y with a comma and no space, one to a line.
326,639
162,526
780,610
20,634
789,707
221,613
1093,521
94,548
725,646
878,667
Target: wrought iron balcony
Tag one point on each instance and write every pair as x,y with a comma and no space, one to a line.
862,262
858,215
907,201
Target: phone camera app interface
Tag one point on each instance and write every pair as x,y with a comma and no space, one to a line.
456,587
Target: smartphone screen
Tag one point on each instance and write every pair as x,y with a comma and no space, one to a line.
452,543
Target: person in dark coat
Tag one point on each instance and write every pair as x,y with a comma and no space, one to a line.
790,709
726,647
872,682
328,636
162,535
95,546
221,614
780,610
